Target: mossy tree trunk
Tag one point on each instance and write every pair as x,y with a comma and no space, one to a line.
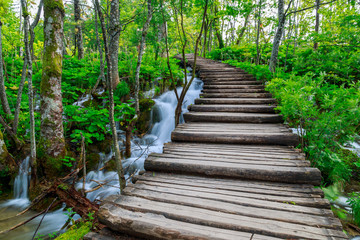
52,142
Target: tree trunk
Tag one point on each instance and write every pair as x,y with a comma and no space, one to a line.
119,166
52,142
3,97
98,43
242,30
317,23
32,27
78,29
217,30
114,34
258,34
28,59
137,82
278,35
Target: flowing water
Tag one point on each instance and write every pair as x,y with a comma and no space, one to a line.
162,122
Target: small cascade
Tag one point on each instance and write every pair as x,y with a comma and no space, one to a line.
21,186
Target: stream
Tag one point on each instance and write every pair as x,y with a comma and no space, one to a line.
162,122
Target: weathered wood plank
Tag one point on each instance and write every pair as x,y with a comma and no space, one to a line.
246,161
226,90
234,101
157,226
236,95
303,219
236,170
281,189
232,117
237,138
225,220
282,203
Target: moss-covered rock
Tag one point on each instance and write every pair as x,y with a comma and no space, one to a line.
143,123
7,166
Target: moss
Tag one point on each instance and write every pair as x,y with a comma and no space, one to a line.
143,123
63,186
52,4
76,232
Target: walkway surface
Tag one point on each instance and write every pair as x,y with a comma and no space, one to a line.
230,172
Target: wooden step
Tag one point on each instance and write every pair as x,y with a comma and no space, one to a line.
234,134
157,226
251,108
234,90
232,117
232,86
236,95
211,214
235,101
235,82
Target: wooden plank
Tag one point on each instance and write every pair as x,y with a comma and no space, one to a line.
243,171
282,203
235,101
245,161
232,108
281,189
237,153
236,95
232,117
225,220
226,90
238,138
234,82
284,216
231,86
247,186
150,225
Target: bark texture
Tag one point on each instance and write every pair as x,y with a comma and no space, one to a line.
3,98
114,34
278,35
119,166
317,22
78,30
52,134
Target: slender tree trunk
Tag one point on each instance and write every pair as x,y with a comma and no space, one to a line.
78,29
258,34
187,84
278,35
119,166
19,93
114,34
52,142
217,30
32,27
3,97
140,55
242,30
28,59
102,65
317,23
137,82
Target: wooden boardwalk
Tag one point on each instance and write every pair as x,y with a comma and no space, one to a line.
230,172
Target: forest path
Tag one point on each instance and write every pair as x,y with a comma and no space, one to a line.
230,172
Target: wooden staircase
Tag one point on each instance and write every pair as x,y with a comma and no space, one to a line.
230,172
